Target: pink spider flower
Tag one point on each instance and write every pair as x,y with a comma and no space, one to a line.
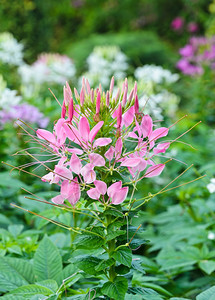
116,193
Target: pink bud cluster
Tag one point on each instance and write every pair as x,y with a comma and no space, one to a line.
97,136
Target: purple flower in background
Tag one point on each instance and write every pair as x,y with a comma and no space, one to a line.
187,51
25,112
177,23
198,53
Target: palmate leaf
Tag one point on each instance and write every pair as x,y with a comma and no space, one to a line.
47,262
12,273
124,256
116,289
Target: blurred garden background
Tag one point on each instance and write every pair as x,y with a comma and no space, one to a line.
168,48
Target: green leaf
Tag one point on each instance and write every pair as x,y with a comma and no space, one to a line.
137,265
31,290
12,297
89,241
10,278
15,230
69,270
116,289
208,266
209,294
124,256
49,284
104,264
23,267
88,264
122,270
47,261
114,212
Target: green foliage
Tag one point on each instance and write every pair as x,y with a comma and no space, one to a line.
116,289
148,48
47,261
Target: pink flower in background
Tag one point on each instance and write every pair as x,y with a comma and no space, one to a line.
192,27
177,24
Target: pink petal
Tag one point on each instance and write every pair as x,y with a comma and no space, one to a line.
118,148
88,173
60,132
119,196
48,177
131,162
109,153
58,199
74,192
154,170
93,193
161,148
84,128
64,189
75,151
63,173
133,135
75,164
72,133
95,130
114,188
96,160
128,117
46,135
146,126
102,142
158,133
101,186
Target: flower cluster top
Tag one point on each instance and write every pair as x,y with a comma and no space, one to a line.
102,144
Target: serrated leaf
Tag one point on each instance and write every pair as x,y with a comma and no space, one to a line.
209,294
10,278
124,256
12,297
113,212
89,241
208,266
23,267
69,270
113,234
15,230
47,262
49,284
116,289
122,270
137,265
31,290
104,264
88,264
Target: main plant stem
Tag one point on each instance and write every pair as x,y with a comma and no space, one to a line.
111,248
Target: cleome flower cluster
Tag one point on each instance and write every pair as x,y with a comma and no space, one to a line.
102,144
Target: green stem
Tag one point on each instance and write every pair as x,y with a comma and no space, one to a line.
111,248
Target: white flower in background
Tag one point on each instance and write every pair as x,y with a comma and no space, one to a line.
105,62
211,186
155,74
8,97
48,69
11,52
211,236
